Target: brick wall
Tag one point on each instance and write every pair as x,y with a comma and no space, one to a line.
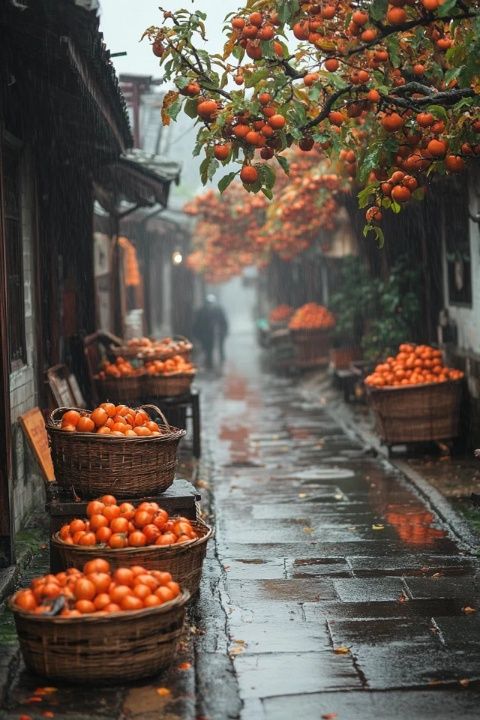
27,481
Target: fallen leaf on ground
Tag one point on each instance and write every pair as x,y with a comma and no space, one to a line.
308,530
203,484
378,526
48,714
34,699
468,610
403,598
302,495
25,717
163,691
464,682
329,716
185,666
239,648
341,650
437,574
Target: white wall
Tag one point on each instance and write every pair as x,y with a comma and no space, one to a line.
468,319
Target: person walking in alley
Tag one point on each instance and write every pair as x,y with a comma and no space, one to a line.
210,328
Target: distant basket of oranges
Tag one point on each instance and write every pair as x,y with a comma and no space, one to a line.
414,397
168,378
131,460
145,348
119,381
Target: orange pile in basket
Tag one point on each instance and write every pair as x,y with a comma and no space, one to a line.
127,525
112,421
281,313
97,590
312,317
413,365
173,366
145,346
120,368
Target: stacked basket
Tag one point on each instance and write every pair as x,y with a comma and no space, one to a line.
73,648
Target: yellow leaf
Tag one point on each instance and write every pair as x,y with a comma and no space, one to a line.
464,682
163,691
168,100
341,650
378,526
326,45
468,610
228,47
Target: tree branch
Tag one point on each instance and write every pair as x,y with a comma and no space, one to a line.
326,108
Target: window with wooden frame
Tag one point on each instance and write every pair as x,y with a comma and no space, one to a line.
14,254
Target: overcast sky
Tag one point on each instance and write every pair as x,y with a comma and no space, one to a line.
123,23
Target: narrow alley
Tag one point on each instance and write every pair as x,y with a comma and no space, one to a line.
343,590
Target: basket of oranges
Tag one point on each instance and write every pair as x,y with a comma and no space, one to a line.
279,316
414,397
168,378
146,348
126,535
113,449
310,329
100,624
119,381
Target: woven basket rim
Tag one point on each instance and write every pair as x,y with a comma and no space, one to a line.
311,330
138,374
173,374
179,601
56,539
173,433
396,388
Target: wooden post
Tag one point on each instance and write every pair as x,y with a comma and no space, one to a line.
6,500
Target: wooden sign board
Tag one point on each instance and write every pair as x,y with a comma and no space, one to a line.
34,427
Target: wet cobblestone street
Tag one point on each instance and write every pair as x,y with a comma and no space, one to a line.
332,589
345,595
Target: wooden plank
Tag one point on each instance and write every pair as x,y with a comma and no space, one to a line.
34,427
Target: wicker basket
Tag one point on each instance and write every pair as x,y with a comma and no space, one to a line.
417,413
183,561
93,465
107,648
312,347
168,385
143,354
120,390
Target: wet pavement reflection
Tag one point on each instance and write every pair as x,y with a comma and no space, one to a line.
341,582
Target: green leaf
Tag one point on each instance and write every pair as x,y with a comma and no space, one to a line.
190,108
175,108
446,7
365,195
226,180
393,50
378,9
283,162
268,175
396,207
438,111
267,192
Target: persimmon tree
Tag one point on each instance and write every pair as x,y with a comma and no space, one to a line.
390,90
234,230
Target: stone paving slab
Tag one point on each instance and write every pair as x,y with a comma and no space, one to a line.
282,673
436,704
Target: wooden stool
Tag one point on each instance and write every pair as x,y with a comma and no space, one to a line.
185,407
